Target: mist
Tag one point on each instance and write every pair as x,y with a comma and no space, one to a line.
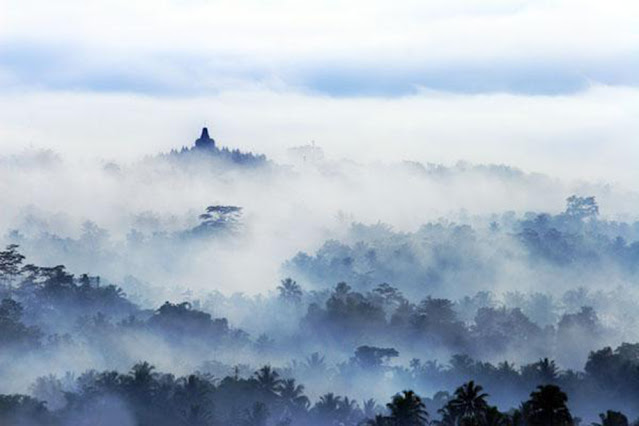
391,233
375,213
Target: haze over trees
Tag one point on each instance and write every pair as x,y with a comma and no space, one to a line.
500,319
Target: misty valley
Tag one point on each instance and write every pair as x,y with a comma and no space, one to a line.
211,286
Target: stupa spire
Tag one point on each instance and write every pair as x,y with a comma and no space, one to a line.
205,141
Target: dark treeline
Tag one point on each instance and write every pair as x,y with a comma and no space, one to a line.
144,396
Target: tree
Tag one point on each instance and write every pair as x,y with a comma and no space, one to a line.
547,407
193,393
181,321
407,409
23,410
141,385
347,410
49,389
469,406
290,291
390,296
369,408
327,408
315,362
612,418
218,218
494,417
373,357
10,263
268,380
293,397
581,207
12,330
543,371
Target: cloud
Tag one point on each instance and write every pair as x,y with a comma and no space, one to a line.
360,49
589,135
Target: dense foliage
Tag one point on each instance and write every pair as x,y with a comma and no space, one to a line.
516,358
144,396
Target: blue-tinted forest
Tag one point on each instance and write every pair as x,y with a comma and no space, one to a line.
369,316
209,286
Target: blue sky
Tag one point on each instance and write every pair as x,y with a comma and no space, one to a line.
166,73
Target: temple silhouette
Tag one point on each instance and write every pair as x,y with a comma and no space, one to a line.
206,148
205,141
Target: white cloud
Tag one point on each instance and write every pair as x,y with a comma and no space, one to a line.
192,44
590,135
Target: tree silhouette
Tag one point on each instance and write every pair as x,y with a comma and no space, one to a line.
612,418
469,406
369,408
22,410
194,395
373,357
494,417
581,207
13,333
315,365
544,371
268,381
290,291
218,219
407,409
547,406
10,263
328,405
293,397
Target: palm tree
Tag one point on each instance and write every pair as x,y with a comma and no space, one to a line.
543,372
315,362
142,372
547,406
193,393
548,370
369,408
141,380
315,366
290,291
469,405
267,380
407,409
108,381
347,410
293,396
327,408
328,403
447,417
494,417
612,418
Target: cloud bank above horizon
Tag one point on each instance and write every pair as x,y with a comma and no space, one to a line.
173,47
547,86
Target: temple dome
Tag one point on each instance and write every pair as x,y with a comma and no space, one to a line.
205,141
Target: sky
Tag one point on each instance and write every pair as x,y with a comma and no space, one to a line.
549,86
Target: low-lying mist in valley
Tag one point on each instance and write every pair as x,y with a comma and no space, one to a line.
356,279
